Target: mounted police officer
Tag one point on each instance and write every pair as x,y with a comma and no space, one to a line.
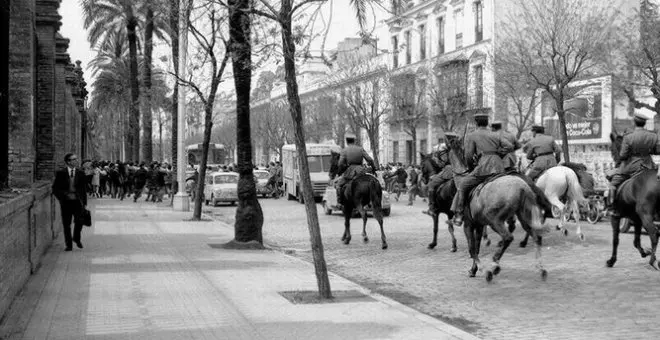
635,155
486,149
542,151
351,160
442,158
510,160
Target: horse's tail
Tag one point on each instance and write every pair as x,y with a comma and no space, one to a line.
376,194
530,212
541,199
575,189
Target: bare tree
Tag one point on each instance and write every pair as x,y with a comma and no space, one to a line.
213,56
284,17
556,42
640,46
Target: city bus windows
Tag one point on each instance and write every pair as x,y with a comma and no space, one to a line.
326,162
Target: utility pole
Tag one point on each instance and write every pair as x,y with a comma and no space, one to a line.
181,200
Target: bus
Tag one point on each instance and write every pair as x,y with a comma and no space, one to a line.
318,158
217,155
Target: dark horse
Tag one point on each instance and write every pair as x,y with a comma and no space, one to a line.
639,200
362,191
497,201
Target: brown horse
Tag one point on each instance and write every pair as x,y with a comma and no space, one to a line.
492,205
639,200
364,190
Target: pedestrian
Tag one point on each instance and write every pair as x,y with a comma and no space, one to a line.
414,184
69,187
96,180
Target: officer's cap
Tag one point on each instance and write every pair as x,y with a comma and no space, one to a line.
350,135
538,128
496,124
638,117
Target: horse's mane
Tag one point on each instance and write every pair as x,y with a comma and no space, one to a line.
334,164
577,167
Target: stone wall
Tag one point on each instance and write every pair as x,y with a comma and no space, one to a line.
28,223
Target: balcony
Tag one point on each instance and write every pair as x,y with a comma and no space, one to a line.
475,102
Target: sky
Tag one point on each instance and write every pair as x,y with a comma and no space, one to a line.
343,24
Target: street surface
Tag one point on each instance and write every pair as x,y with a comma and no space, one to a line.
580,299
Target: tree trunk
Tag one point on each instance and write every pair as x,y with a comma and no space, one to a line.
160,141
147,117
249,216
295,109
562,127
373,137
134,119
174,36
208,127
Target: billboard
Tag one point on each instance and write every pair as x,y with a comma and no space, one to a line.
588,112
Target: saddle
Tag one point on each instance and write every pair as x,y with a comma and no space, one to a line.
629,180
491,178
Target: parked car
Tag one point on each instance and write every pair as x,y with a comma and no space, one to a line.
221,187
262,179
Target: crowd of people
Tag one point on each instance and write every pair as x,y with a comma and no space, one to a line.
124,179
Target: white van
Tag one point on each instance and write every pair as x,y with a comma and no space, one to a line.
318,158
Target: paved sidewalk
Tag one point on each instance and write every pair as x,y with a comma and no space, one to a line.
145,273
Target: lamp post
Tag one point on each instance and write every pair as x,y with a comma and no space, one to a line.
181,200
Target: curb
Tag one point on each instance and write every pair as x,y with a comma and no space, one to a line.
433,322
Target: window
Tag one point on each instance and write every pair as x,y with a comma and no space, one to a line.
226,179
422,42
395,151
407,37
441,35
395,51
422,145
478,21
458,20
479,85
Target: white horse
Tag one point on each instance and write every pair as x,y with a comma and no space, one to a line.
561,183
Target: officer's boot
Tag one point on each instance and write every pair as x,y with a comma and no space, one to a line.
611,194
458,211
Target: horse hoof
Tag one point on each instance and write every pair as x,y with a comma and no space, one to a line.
610,263
365,240
557,227
343,238
431,246
496,270
347,241
489,276
472,273
544,274
565,232
523,244
384,246
581,237
453,249
646,253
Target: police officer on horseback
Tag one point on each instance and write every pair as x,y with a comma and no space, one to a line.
442,158
350,162
634,156
542,151
484,150
510,160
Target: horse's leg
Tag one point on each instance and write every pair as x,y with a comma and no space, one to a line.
469,235
615,239
637,242
651,229
512,224
363,213
539,261
435,231
477,231
348,211
450,226
484,231
576,215
523,243
378,215
507,238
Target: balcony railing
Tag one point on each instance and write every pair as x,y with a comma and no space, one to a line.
462,102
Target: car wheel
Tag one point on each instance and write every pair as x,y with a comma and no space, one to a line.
386,212
593,214
328,210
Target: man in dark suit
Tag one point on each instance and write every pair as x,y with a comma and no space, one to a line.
69,188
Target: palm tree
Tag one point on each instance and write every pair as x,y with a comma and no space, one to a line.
104,19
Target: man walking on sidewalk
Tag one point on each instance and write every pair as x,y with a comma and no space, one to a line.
69,188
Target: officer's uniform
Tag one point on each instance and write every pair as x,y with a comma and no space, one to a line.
486,147
440,178
542,151
510,160
351,159
635,154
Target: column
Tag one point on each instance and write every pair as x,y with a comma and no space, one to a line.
60,128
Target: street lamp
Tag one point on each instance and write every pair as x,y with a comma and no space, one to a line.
181,200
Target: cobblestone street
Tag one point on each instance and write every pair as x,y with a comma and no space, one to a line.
580,299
